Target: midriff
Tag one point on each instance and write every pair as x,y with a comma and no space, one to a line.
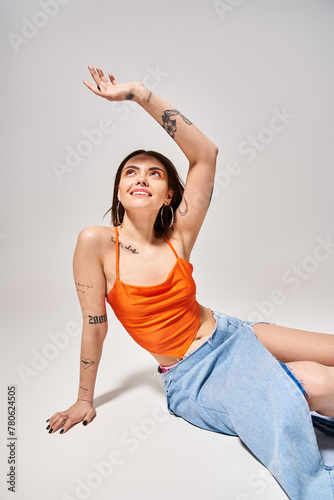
206,328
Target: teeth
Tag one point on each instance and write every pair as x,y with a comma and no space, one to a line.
140,192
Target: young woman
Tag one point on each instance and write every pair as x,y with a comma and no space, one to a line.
255,380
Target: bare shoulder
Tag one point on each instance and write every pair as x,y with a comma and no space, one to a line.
95,235
94,239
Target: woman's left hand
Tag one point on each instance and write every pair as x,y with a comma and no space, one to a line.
112,91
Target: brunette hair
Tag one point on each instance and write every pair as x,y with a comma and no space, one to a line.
174,183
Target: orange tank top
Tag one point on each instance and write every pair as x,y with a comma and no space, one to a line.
163,318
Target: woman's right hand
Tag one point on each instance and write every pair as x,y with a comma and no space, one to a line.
81,411
112,90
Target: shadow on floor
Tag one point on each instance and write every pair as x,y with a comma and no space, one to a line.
141,378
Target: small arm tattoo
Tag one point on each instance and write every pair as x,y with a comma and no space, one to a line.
83,388
170,125
81,286
149,96
87,363
185,211
129,247
129,96
95,320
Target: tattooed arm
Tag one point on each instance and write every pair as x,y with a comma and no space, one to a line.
90,284
199,150
201,154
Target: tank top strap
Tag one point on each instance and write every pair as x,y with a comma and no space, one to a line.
117,254
171,246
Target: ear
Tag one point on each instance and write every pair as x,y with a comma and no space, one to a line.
118,194
169,196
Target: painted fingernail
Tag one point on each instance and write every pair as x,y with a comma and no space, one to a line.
50,431
99,88
61,431
48,427
47,420
85,422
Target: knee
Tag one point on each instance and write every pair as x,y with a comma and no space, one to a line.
322,384
317,379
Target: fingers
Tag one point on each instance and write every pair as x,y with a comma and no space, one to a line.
56,422
100,80
101,75
92,87
68,425
85,419
94,74
64,421
91,414
112,79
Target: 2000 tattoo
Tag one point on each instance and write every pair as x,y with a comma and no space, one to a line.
94,320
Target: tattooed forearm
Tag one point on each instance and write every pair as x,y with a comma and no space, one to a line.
129,96
185,211
95,320
170,125
173,112
120,244
82,286
86,363
83,388
149,96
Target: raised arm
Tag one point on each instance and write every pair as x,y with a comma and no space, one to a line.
90,284
199,150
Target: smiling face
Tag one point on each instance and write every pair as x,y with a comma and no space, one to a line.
172,195
144,184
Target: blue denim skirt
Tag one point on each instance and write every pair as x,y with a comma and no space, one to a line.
231,384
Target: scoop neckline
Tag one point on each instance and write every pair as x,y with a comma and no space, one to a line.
150,286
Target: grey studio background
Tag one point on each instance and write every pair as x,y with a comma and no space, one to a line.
257,78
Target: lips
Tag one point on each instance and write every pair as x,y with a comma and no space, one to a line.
140,192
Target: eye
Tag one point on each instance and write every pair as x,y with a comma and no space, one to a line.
129,171
156,173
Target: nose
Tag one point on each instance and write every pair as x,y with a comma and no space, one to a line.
142,181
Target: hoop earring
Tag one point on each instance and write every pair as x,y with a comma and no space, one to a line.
162,221
117,214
